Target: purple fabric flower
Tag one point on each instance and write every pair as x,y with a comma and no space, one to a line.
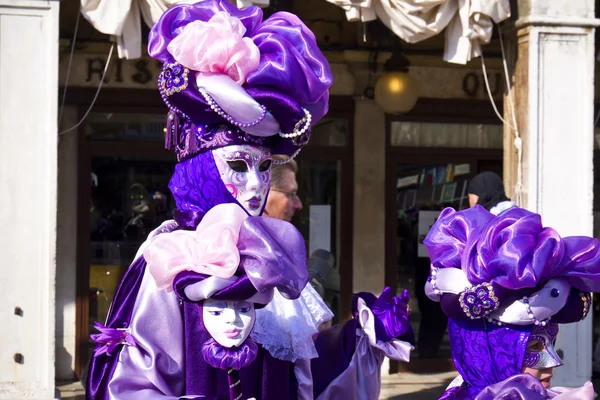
109,339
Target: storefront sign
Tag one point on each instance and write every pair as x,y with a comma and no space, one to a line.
86,71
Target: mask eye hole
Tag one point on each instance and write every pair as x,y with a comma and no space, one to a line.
265,165
535,345
238,165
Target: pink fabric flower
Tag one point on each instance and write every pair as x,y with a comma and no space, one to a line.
210,250
217,46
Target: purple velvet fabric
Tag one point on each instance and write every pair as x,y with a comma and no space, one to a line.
197,186
485,353
574,310
512,250
336,347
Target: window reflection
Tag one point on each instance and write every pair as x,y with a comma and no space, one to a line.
318,221
130,198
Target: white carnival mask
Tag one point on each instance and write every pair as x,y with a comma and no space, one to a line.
246,172
228,322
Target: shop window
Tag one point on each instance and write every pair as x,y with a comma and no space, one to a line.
319,221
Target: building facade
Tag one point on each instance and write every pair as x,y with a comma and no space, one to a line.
371,183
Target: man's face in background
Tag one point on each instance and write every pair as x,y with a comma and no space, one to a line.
283,202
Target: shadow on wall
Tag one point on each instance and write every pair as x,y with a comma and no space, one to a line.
66,360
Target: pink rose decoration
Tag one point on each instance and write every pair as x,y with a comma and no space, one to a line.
217,46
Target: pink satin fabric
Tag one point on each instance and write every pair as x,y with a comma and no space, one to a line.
585,392
216,46
210,250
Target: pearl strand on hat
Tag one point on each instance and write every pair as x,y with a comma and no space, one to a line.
217,108
275,162
530,314
306,119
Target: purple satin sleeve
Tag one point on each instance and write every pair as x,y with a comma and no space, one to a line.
361,379
154,368
102,367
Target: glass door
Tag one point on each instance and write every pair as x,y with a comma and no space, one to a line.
319,189
422,192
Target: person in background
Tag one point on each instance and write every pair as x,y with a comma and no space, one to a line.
283,201
487,190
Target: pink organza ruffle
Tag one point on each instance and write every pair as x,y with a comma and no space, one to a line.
210,250
217,46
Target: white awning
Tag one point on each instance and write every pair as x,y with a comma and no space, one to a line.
122,19
468,23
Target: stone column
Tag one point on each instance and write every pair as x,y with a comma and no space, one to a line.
28,178
369,201
552,87
369,197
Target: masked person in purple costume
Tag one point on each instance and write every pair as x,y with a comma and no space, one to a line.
239,89
506,283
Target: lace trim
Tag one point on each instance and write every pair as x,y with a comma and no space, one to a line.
285,328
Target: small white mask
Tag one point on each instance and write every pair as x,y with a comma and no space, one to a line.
228,322
246,172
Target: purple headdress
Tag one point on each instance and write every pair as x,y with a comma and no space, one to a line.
498,278
509,268
231,78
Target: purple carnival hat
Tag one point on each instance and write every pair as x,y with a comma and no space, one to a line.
230,256
231,78
509,268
